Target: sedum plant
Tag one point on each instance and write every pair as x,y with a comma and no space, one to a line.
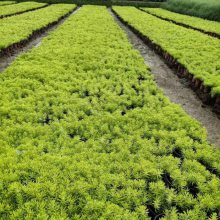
86,134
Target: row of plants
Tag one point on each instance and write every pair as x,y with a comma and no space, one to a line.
151,4
19,8
86,134
16,29
108,3
6,3
194,22
199,8
195,51
77,2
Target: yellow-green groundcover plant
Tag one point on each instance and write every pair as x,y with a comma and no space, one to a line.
194,22
197,52
86,134
6,3
20,7
18,28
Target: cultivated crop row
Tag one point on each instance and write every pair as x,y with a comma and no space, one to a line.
195,54
6,3
94,138
16,30
19,8
206,26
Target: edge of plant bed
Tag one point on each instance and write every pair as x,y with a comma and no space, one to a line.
8,51
203,92
183,25
22,12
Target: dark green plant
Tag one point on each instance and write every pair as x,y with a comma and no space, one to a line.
200,8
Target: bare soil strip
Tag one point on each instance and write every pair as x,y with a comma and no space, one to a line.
8,55
178,90
203,92
183,25
22,12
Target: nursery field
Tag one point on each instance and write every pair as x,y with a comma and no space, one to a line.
85,131
197,52
206,26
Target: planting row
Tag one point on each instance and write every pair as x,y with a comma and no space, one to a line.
6,3
210,27
202,8
86,134
19,8
17,29
198,53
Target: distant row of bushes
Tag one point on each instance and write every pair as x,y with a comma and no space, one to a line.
208,9
152,4
137,3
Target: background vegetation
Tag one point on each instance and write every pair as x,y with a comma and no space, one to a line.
201,8
136,3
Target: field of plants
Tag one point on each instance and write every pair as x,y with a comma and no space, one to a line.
85,131
14,30
197,52
9,10
7,2
206,26
199,8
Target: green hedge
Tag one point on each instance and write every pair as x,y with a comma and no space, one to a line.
144,3
199,8
137,3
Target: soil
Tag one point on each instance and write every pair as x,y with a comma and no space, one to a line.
177,89
35,41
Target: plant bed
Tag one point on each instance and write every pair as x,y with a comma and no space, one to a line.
20,8
10,50
64,139
203,92
182,24
21,12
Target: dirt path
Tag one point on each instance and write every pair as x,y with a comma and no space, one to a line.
175,88
35,41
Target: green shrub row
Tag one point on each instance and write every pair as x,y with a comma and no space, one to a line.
77,2
18,28
197,52
20,7
2,3
198,23
151,4
86,134
136,3
200,8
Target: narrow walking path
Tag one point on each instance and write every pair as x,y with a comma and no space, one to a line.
175,88
35,41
